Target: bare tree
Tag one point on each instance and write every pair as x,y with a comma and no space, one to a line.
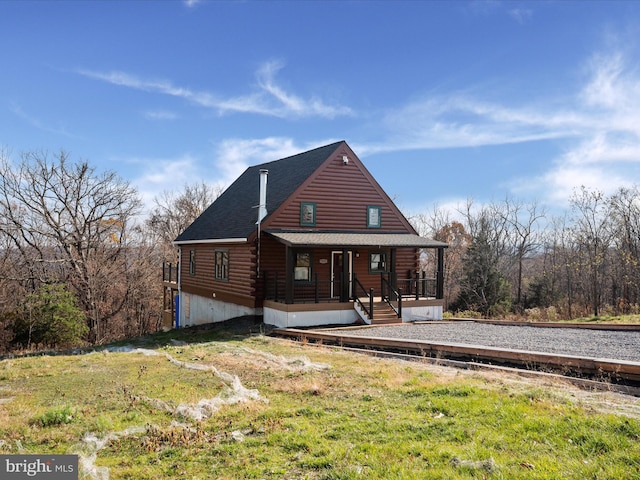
624,212
592,232
522,221
70,223
175,211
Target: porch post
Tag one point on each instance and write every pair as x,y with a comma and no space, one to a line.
440,274
393,274
344,284
288,283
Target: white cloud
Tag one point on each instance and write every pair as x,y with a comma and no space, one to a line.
599,129
228,161
163,174
608,148
459,121
234,155
268,99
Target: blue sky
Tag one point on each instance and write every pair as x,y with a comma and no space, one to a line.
442,101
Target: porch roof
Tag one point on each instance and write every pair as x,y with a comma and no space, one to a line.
354,239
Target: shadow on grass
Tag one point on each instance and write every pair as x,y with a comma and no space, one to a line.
234,329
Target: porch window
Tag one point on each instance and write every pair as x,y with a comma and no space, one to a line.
308,214
192,262
374,217
377,262
302,272
222,265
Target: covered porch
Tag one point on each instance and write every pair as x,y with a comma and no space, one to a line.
335,277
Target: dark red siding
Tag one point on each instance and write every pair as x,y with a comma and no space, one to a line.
240,288
342,194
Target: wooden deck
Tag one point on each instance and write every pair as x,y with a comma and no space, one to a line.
613,371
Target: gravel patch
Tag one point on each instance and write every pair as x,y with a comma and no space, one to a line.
602,344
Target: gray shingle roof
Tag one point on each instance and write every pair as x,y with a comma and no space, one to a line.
234,213
350,239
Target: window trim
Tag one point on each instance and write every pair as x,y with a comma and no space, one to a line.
370,210
313,207
384,257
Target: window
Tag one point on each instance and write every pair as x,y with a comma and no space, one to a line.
192,262
377,262
374,217
222,265
302,270
308,214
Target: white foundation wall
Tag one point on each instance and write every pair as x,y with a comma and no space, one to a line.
197,310
282,319
416,314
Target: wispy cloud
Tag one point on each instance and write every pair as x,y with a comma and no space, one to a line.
159,115
268,98
39,124
609,144
460,121
521,15
598,128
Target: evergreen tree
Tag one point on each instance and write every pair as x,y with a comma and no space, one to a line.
483,288
50,317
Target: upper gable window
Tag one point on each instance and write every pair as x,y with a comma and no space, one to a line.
308,214
374,217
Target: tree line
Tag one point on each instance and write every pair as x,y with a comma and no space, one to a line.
513,258
80,264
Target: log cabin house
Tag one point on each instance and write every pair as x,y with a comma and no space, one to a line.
307,240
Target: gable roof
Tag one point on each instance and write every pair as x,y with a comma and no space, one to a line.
234,214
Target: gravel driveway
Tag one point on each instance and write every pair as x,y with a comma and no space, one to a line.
618,345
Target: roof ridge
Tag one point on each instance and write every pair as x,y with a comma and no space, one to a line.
306,152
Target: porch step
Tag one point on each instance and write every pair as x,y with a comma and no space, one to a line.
384,314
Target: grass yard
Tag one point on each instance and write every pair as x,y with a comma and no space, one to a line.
204,404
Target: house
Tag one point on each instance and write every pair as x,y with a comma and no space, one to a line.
310,239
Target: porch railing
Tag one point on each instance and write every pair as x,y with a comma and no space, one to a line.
324,290
169,272
314,291
360,291
390,295
418,286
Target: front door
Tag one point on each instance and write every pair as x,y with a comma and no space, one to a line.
340,274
